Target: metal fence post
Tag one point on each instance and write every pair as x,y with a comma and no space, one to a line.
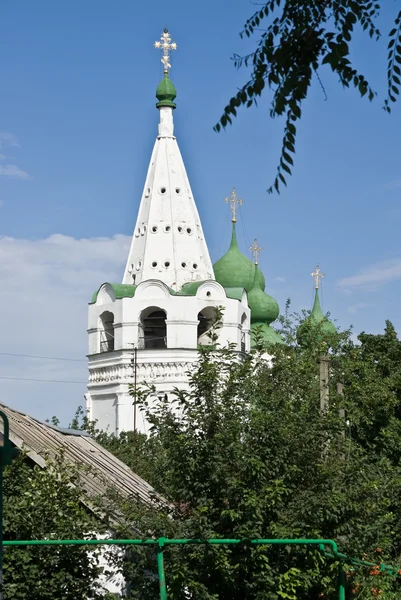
1,531
341,582
160,569
4,447
7,453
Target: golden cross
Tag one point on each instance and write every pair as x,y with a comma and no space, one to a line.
166,45
256,250
234,201
317,276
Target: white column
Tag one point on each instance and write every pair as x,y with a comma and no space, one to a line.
88,406
121,413
126,412
166,125
181,334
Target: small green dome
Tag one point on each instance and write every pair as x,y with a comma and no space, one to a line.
316,320
264,308
166,93
236,270
264,333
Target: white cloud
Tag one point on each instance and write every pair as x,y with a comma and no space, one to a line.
372,277
281,279
46,286
354,308
8,139
13,172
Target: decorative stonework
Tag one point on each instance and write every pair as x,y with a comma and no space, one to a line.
146,372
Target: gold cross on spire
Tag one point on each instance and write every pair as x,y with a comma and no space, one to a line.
256,250
317,276
234,202
166,45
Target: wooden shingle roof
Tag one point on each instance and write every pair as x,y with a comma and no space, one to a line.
101,469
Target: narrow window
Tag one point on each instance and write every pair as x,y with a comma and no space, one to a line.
107,332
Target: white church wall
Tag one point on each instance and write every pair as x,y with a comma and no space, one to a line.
106,411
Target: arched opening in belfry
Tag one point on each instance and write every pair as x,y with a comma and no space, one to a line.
106,332
206,319
153,329
244,325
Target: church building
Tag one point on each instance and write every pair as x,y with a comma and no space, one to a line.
147,329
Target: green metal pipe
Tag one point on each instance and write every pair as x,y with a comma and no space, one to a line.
160,569
110,542
6,427
361,563
168,542
341,582
256,542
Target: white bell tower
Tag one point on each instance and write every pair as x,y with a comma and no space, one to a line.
147,329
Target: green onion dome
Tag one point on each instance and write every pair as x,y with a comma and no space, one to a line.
166,93
264,310
236,270
316,326
264,333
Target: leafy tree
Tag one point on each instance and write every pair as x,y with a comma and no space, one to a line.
39,504
247,453
384,351
294,40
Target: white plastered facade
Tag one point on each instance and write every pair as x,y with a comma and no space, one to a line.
168,251
112,372
168,243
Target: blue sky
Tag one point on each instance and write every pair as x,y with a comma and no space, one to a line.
77,125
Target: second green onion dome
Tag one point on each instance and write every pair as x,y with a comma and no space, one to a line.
264,310
316,326
236,270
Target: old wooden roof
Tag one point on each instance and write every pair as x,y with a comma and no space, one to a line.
101,469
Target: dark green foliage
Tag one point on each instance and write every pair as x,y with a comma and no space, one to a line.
295,39
39,504
247,453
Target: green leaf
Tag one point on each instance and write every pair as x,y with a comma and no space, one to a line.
288,158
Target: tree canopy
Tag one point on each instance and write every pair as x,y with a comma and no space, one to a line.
39,504
247,452
295,39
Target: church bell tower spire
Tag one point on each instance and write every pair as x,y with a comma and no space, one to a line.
168,243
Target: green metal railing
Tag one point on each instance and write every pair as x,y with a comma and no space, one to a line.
161,543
